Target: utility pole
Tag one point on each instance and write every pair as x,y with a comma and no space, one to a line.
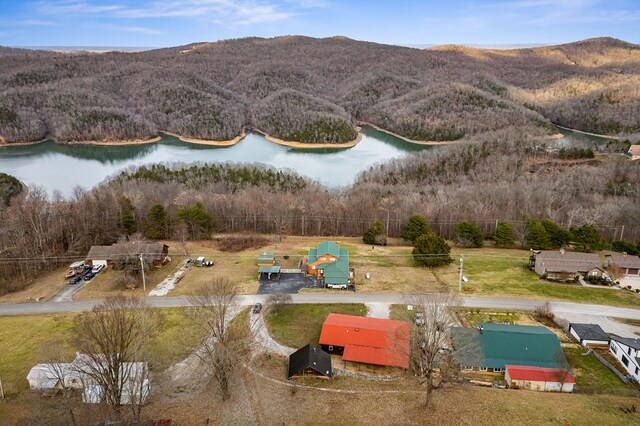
144,283
460,276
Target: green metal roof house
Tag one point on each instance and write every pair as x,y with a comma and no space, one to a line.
333,261
492,346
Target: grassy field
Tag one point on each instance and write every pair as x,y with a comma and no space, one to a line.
297,325
592,376
24,340
493,271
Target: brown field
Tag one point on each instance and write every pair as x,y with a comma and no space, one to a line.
45,286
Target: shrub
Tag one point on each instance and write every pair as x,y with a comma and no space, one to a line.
467,234
415,227
503,236
375,234
431,250
240,243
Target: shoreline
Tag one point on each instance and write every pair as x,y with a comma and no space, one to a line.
555,136
404,138
210,142
311,145
588,133
113,143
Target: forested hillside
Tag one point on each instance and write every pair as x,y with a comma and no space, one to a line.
316,90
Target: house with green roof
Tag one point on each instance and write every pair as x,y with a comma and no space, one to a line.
490,347
330,263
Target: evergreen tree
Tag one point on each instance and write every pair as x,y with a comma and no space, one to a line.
156,223
467,234
623,246
431,250
503,236
199,223
128,218
587,238
415,227
375,234
558,236
537,237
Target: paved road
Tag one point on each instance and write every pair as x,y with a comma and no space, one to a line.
346,297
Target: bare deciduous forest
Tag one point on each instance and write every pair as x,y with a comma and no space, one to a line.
316,90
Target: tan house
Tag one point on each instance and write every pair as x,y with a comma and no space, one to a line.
634,152
566,265
628,264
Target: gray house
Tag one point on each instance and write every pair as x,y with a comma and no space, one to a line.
628,264
566,265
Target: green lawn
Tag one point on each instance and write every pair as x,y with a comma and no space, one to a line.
494,271
23,341
297,325
592,376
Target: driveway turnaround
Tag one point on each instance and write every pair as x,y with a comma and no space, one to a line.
287,283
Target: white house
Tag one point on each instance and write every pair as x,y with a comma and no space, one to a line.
589,334
627,351
539,378
50,378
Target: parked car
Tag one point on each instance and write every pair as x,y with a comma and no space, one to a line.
337,286
257,308
88,276
70,274
75,280
97,268
419,318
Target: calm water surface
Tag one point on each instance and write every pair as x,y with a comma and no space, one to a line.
61,167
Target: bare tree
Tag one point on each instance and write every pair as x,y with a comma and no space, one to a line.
430,337
113,338
564,367
214,306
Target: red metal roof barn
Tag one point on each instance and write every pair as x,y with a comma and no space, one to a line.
367,340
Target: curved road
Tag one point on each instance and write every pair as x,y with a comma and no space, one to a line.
559,308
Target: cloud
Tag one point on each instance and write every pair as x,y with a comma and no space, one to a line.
230,11
36,23
140,30
62,7
546,13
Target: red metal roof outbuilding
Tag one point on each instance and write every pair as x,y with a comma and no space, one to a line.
368,340
538,374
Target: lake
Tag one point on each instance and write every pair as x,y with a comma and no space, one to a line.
61,167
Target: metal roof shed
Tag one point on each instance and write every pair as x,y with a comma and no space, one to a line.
309,360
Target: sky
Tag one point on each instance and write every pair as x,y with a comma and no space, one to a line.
157,23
